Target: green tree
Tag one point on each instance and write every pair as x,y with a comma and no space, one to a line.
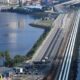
1,54
18,59
7,55
9,61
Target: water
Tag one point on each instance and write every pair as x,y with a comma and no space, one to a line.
16,35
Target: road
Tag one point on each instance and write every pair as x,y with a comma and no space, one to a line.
62,58
46,45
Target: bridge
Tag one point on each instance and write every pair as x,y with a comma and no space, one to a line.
64,73
71,2
66,6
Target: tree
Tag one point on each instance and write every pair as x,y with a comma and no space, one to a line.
7,55
9,61
18,59
1,54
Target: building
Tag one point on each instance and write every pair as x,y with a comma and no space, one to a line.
32,1
4,1
9,1
47,2
19,70
13,1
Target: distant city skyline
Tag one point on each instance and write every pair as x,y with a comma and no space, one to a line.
17,1
28,2
11,1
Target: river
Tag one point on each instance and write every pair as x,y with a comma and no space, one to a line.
16,35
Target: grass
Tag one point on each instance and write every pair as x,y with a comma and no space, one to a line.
42,23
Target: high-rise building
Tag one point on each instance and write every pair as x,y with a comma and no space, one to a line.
16,1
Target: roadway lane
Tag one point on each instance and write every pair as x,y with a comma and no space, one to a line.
56,47
52,44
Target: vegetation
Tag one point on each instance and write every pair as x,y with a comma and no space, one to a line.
44,23
18,59
1,54
8,60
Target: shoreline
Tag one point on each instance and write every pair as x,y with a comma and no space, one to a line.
19,59
24,11
45,24
37,44
29,54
